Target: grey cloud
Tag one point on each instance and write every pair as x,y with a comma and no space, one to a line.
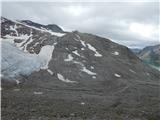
105,19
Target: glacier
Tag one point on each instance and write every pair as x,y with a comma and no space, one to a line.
15,62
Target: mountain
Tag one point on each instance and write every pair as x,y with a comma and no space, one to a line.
151,55
73,75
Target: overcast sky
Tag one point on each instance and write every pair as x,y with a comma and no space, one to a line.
134,24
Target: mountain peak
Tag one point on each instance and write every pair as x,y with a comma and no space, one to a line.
51,27
54,28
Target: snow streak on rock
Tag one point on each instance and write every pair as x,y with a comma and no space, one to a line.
70,58
84,69
117,75
61,77
132,71
50,71
83,43
97,54
76,53
116,53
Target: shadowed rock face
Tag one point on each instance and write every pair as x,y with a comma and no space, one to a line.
88,77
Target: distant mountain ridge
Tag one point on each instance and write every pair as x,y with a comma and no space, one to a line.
135,50
52,27
151,55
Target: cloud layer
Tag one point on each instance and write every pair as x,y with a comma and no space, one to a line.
134,24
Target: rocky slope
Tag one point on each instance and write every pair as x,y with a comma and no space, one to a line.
84,77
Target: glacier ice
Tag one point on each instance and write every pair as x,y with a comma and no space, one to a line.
15,62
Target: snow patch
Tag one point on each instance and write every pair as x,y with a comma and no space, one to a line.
50,71
92,67
117,75
82,49
82,103
94,77
84,69
97,54
116,53
1,75
60,77
76,52
70,58
17,82
83,43
132,71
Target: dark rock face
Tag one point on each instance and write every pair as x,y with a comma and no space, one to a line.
88,78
